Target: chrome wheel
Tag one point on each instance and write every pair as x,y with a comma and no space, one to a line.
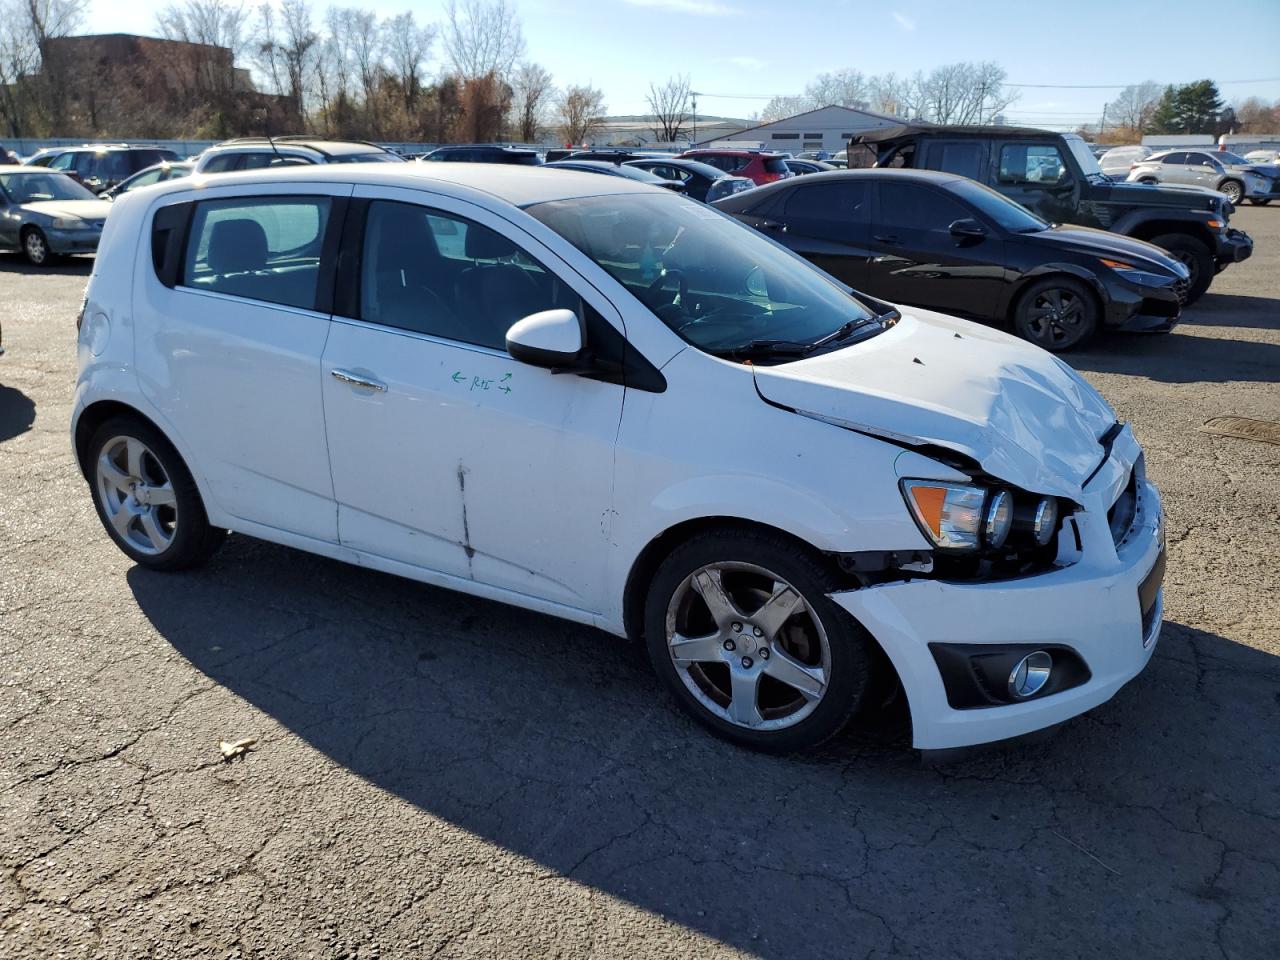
1232,191
136,494
35,247
1056,318
748,646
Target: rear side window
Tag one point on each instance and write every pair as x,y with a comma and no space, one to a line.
962,158
906,206
439,274
1031,163
262,248
222,163
1172,158
829,211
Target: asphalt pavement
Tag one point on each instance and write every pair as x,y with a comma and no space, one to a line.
436,775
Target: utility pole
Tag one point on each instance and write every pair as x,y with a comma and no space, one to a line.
694,94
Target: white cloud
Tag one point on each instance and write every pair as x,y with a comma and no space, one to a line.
747,63
701,8
905,22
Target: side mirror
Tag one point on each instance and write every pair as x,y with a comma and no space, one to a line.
550,338
968,230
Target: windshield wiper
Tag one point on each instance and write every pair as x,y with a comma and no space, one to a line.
767,348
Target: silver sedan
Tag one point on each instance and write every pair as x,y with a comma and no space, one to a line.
44,213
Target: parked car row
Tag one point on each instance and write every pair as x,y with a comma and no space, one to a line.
1231,175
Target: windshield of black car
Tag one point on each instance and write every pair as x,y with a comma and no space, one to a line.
33,187
1084,156
717,283
996,206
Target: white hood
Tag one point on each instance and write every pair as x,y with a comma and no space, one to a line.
1021,413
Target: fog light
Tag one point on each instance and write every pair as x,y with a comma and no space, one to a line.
999,519
1030,675
1046,520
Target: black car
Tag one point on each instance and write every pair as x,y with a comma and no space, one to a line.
616,170
1056,176
947,243
701,180
612,156
101,166
483,153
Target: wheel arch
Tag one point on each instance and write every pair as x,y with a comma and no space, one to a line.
1049,271
1147,228
99,412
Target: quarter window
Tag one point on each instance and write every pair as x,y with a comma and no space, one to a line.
1173,158
263,249
435,273
1031,163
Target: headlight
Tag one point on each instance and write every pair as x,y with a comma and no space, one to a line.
967,517
1135,274
67,223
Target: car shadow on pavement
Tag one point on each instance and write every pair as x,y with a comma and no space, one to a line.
1226,310
17,263
17,412
1182,357
554,741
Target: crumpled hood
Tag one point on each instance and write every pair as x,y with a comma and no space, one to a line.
84,209
1021,413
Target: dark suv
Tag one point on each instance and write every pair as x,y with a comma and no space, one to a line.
1058,177
483,153
101,166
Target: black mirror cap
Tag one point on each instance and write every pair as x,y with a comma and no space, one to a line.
967,229
539,357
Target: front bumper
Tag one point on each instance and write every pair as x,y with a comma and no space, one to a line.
73,241
1143,308
1091,607
1232,246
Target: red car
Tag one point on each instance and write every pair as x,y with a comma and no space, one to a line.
755,165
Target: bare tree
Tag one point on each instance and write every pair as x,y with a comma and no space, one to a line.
781,107
841,88
581,110
669,105
1255,115
1135,106
31,91
533,91
408,47
482,37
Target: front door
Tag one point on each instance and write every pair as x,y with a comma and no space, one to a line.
447,454
1037,176
917,261
230,355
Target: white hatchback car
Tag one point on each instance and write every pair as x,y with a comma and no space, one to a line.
600,401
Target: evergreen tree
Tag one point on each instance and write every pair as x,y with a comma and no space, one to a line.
1165,117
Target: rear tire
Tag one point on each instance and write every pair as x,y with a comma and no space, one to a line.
1150,181
1260,202
1197,257
769,662
146,498
1056,314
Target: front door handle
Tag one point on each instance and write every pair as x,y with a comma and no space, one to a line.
888,238
773,225
346,376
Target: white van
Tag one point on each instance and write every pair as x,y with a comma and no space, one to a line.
607,403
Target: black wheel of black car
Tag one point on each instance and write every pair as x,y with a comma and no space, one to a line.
146,498
1260,201
1056,313
1233,190
35,246
1197,257
1150,181
742,632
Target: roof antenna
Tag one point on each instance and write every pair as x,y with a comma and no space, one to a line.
266,123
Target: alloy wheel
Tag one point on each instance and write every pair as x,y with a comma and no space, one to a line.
36,249
136,495
1056,318
1231,190
748,646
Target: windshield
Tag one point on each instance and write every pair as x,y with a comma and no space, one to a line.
1084,156
717,283
996,206
46,185
380,157
1226,156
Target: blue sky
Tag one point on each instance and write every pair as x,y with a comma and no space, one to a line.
757,48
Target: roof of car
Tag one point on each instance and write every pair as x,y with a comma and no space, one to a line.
729,152
957,130
511,183
332,148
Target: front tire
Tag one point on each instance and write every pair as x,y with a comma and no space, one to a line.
1197,257
1056,314
146,498
35,246
741,631
1233,190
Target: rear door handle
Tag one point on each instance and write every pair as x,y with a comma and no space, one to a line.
346,376
888,238
773,225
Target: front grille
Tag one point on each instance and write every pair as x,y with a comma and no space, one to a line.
1123,512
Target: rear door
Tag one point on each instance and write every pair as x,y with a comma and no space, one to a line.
229,354
1172,168
916,260
448,455
828,222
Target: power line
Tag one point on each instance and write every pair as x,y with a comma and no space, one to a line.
1118,86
